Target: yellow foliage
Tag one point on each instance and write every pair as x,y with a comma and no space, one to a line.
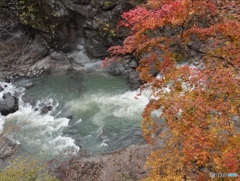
22,169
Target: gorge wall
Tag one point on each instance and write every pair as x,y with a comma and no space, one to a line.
36,36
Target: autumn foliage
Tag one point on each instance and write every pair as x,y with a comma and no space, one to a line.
193,48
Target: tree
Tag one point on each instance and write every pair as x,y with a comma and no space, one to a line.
193,46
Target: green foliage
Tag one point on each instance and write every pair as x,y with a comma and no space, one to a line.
107,30
22,169
2,2
108,4
38,15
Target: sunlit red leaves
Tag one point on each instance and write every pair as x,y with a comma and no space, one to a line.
173,12
135,16
129,45
230,161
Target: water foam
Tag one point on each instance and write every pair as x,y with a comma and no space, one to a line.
124,106
38,134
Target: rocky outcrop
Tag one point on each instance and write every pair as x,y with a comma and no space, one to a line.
95,21
26,56
126,164
9,104
62,23
126,68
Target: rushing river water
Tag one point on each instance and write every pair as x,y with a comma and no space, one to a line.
93,111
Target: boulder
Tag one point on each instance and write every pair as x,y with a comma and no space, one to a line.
6,95
7,147
115,69
57,56
1,88
134,82
9,104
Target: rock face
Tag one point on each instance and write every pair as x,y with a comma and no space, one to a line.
23,47
94,21
9,104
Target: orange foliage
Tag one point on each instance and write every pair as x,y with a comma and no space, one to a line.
200,113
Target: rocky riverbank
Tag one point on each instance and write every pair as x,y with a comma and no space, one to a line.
126,164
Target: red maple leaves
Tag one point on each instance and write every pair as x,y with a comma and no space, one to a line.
201,109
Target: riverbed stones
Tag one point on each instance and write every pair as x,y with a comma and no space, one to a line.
9,104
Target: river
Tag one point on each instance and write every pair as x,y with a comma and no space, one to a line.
94,111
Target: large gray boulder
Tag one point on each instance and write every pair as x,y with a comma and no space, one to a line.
9,104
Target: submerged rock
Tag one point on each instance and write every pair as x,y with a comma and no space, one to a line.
70,117
45,109
29,85
9,104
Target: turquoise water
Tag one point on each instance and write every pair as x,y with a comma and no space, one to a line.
103,114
